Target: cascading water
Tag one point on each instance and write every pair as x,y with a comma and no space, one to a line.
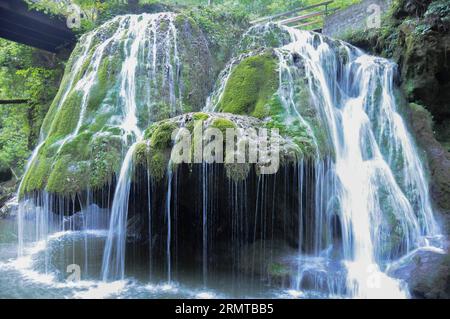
355,99
137,37
22,211
356,199
150,49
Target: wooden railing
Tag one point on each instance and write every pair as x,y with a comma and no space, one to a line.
293,16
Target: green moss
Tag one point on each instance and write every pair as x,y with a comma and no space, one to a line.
67,118
222,124
78,147
200,116
141,154
157,165
98,93
105,159
157,153
292,127
37,176
68,176
250,86
161,136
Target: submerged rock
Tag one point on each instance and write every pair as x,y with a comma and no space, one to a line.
8,199
10,208
426,271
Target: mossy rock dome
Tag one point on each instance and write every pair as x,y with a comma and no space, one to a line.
123,76
256,86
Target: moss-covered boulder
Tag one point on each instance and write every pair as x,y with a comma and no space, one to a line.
438,159
257,87
155,151
251,85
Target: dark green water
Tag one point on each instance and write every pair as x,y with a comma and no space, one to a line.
42,272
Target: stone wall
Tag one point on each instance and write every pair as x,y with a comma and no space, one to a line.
364,15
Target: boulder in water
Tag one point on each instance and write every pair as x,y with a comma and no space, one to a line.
427,272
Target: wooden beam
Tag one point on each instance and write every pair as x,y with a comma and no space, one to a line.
305,24
33,28
279,15
303,17
20,7
16,101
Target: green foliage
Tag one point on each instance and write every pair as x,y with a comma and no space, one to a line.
250,86
200,116
222,124
30,74
97,11
156,154
14,132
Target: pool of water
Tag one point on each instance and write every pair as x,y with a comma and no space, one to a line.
46,270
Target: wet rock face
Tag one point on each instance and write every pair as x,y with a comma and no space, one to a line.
404,8
418,40
426,273
8,202
438,159
425,69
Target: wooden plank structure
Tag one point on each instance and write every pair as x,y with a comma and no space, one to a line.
33,28
293,16
14,101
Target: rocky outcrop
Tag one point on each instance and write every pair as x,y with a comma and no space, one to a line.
155,151
8,202
438,159
416,35
426,272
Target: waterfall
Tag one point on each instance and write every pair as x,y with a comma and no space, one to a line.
205,204
23,209
114,255
355,100
147,47
353,201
